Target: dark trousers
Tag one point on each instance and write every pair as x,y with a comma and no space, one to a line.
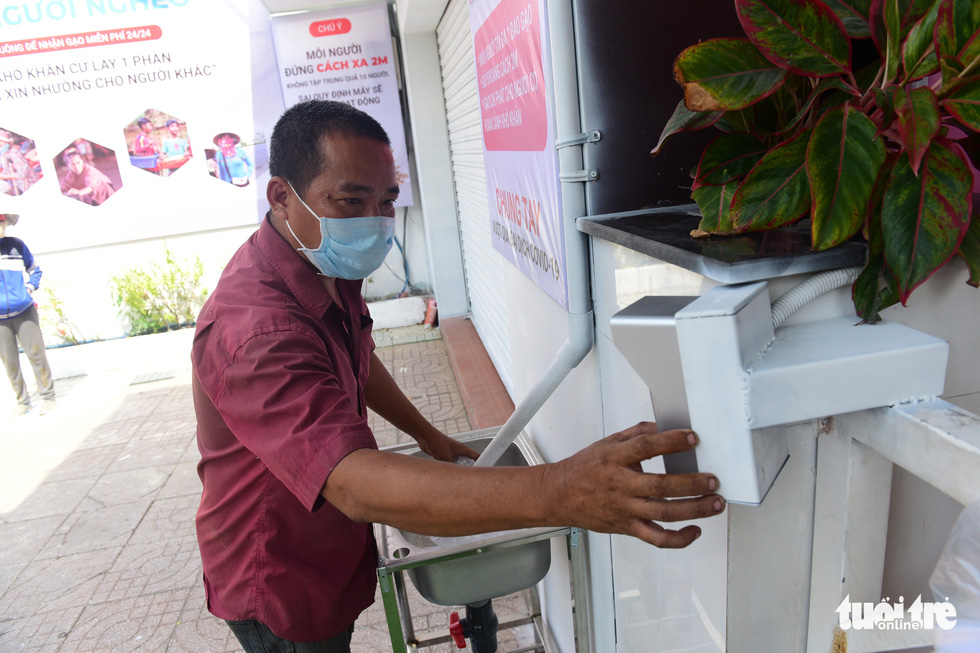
255,637
25,328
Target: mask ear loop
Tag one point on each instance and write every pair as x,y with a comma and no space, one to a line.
288,226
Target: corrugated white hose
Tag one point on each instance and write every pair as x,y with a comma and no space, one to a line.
802,294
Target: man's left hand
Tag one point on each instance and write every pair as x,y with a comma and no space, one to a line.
442,447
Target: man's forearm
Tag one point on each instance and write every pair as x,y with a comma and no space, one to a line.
436,498
601,488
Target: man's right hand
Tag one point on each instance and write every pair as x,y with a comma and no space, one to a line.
603,488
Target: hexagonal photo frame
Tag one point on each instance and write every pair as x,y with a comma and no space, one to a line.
157,142
88,172
230,161
20,167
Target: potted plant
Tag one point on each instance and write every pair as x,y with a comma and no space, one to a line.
861,115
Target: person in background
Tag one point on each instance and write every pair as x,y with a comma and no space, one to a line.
174,146
85,149
234,165
16,172
284,372
84,182
19,320
144,145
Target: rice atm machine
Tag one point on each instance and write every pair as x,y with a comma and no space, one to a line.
744,379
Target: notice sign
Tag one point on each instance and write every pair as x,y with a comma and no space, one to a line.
509,72
345,55
111,113
510,42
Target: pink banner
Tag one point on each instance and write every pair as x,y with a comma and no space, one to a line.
510,74
513,64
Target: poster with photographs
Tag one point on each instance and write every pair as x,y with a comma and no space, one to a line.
113,110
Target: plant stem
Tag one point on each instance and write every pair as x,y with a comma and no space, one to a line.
969,69
892,134
867,94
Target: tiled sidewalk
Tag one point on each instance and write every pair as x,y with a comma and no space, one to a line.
97,504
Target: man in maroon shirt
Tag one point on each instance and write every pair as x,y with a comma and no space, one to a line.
284,371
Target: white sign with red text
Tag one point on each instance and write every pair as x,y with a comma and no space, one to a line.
345,55
79,77
510,40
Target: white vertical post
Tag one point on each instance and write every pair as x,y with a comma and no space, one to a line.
852,500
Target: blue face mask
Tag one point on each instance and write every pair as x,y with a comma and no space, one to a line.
350,248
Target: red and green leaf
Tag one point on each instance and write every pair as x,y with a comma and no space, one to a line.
951,70
683,119
760,119
919,56
823,86
715,204
970,249
874,290
842,163
728,156
873,222
776,191
958,30
886,105
853,15
891,13
909,12
964,103
925,217
918,116
802,36
736,121
725,75
750,120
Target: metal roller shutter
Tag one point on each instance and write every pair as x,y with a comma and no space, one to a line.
482,265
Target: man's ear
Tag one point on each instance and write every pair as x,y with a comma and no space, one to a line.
277,192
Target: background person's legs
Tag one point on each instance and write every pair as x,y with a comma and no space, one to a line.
11,362
31,341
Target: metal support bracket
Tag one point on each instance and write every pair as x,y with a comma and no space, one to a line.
578,175
383,578
578,139
390,599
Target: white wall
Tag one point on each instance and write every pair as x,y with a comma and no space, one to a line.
430,138
567,422
436,199
81,278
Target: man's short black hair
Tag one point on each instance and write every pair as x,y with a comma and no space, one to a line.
294,149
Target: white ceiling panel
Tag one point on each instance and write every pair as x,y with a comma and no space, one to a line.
280,6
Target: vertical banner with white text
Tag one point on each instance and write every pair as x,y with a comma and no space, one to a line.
513,65
345,55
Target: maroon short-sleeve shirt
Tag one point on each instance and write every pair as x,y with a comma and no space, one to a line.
279,372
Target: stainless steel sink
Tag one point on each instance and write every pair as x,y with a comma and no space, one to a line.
464,570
